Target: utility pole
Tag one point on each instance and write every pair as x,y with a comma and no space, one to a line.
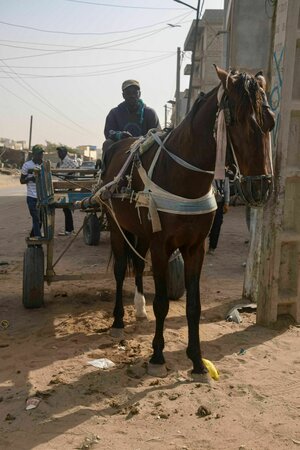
166,115
193,59
30,134
177,95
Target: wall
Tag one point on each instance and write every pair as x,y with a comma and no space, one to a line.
250,35
279,275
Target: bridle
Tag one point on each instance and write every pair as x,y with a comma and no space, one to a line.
246,185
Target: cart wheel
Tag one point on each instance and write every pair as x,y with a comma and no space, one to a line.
91,230
33,277
176,285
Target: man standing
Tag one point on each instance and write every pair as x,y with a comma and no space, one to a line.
27,177
132,115
66,162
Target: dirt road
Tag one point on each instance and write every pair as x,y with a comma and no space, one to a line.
44,353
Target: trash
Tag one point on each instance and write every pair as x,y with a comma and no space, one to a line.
295,441
242,351
122,348
233,314
32,403
102,363
213,371
10,417
4,324
4,263
203,411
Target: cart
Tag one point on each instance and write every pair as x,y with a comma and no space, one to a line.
75,186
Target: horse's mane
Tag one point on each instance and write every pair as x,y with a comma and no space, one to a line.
200,100
248,96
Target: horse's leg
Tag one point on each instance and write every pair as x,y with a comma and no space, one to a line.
139,265
156,365
118,246
193,260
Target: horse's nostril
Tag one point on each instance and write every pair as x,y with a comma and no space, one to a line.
255,191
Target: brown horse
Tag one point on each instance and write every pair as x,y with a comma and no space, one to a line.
162,199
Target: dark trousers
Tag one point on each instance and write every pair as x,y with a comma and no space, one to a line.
68,220
36,218
216,226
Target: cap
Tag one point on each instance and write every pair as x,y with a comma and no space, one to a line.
37,149
128,83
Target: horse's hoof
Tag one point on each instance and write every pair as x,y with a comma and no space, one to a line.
141,317
157,370
117,333
203,378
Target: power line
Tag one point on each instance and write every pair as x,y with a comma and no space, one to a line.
96,74
169,53
119,63
121,6
163,53
73,33
79,46
106,45
38,109
92,46
40,97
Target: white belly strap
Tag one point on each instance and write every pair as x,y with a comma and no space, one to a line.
157,199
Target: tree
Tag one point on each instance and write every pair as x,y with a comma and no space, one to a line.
51,147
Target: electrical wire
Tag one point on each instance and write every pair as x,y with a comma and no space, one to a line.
40,97
38,109
106,45
169,53
121,6
88,33
94,74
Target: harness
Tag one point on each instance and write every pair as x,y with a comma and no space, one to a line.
153,196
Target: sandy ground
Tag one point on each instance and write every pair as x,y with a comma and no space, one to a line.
44,353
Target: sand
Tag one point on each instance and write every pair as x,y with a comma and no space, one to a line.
45,353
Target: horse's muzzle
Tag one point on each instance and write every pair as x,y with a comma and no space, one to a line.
255,190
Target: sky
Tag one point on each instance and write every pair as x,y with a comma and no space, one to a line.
63,62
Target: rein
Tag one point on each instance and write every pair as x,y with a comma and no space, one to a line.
176,158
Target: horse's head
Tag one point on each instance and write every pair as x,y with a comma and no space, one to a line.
248,122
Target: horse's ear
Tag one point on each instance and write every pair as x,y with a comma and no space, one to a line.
223,76
261,80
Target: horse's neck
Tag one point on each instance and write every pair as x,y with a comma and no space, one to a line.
193,140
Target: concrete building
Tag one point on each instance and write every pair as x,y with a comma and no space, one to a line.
279,275
209,51
183,96
89,151
10,143
265,35
248,37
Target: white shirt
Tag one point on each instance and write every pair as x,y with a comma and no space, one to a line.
31,186
68,163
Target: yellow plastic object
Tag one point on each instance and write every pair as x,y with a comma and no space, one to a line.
213,371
